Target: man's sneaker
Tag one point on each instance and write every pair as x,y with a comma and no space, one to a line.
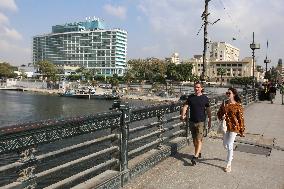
193,160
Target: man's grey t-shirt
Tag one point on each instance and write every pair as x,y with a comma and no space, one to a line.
197,106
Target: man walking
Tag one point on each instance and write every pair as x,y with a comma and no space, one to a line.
197,104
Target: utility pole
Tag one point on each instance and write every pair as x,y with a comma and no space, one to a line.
253,47
205,18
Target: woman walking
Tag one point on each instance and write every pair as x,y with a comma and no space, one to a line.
232,111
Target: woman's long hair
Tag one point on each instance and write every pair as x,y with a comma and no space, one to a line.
236,95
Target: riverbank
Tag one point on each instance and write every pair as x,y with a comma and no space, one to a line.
43,91
150,98
107,91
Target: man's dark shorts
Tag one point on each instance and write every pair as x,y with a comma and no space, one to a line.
197,130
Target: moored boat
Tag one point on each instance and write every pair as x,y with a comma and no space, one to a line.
71,93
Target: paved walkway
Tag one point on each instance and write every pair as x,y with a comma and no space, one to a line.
251,168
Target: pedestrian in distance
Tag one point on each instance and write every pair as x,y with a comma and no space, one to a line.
272,92
232,111
197,104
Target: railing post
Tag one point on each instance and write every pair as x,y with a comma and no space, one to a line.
245,92
161,128
282,94
256,95
282,97
26,174
124,126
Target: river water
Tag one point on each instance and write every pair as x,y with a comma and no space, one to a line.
18,107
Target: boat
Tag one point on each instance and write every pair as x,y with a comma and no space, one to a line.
68,93
91,95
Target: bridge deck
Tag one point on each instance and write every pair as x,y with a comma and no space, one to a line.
260,165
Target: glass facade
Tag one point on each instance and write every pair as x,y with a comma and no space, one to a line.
86,44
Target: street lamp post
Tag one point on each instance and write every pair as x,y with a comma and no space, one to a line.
266,61
253,46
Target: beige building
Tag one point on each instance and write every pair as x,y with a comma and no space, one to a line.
224,55
243,68
173,59
233,69
196,62
222,51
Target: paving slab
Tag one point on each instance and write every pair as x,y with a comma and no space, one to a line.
250,168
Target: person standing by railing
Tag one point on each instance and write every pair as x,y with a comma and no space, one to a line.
282,92
197,104
272,93
232,111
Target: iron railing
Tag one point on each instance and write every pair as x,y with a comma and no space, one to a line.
104,150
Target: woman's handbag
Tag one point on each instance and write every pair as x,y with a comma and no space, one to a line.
222,128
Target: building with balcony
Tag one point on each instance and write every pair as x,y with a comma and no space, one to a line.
85,44
222,51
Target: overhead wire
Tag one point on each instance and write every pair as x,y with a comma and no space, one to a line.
236,26
200,29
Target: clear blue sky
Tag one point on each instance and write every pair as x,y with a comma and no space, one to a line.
156,28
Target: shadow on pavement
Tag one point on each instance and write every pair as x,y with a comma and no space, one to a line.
186,159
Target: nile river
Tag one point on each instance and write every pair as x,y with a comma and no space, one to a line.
18,107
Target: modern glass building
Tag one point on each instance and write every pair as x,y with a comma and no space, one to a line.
87,44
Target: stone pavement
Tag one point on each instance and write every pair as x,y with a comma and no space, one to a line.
254,166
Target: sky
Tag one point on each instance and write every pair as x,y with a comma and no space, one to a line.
156,28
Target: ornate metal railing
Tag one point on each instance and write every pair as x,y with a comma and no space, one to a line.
103,150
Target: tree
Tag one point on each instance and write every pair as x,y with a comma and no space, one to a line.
171,71
74,77
221,71
84,73
7,71
184,71
242,80
273,74
180,72
259,68
48,70
194,78
129,76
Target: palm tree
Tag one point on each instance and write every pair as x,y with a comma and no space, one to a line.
221,71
